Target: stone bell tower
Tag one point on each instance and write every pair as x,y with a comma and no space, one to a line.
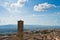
20,29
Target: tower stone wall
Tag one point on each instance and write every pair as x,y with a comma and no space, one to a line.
20,30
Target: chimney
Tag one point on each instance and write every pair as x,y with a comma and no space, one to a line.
20,30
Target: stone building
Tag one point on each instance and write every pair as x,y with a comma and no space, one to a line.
20,30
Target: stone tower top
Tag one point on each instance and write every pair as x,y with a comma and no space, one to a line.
20,20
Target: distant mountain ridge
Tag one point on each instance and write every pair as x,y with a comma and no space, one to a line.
28,26
13,28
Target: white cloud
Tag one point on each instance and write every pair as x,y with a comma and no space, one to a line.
14,5
38,15
19,3
43,6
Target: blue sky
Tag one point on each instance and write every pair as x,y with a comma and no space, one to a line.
33,12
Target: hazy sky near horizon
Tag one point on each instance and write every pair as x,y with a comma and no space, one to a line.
33,12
